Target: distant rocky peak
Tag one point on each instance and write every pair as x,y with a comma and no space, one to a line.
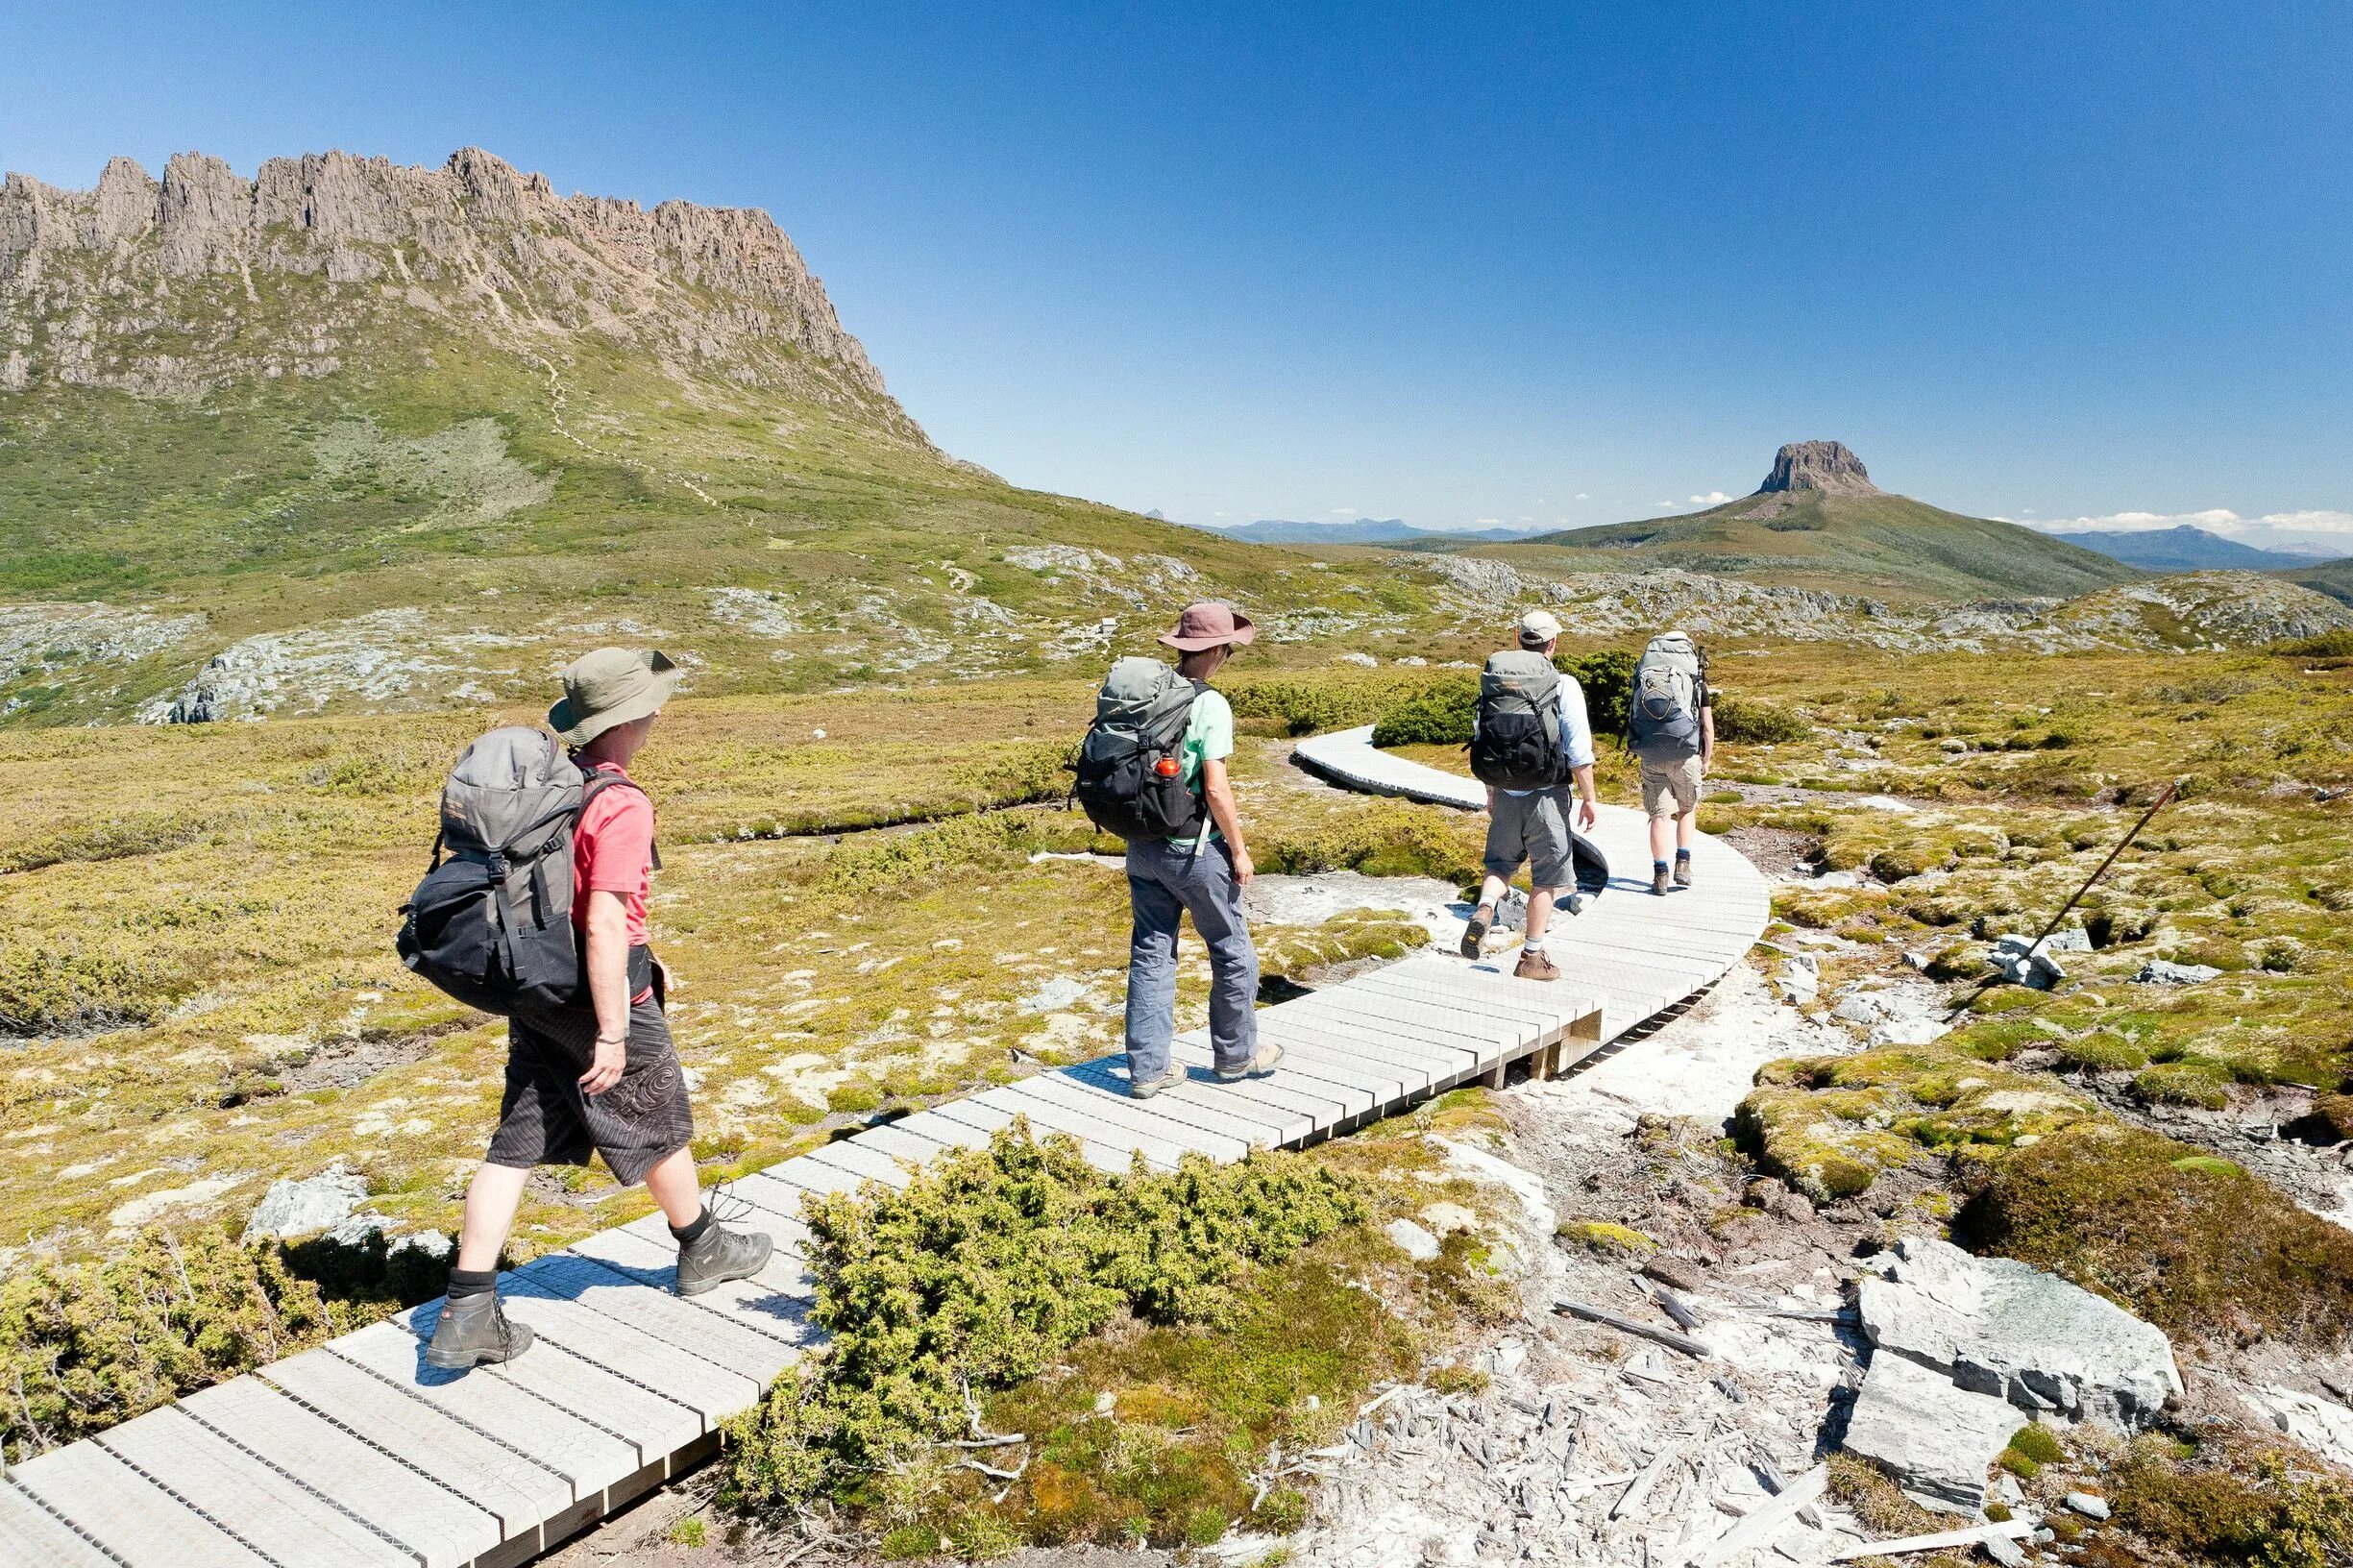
1827,466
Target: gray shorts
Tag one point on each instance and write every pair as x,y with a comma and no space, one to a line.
1534,829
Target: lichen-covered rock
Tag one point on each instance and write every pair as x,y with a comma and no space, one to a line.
307,1206
2157,971
1935,1441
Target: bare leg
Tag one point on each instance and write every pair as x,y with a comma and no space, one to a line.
491,1198
677,1189
1491,892
1683,825
1539,915
1659,838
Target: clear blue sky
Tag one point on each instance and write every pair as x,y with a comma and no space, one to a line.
1446,262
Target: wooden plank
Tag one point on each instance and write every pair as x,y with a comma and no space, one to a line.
629,1302
1162,1146
1543,1022
128,1514
988,1120
1392,1071
520,1492
1316,1099
442,1529
1199,1100
903,1143
534,1406
1433,1028
629,1355
815,1175
277,1517
859,1159
1395,1046
939,1129
772,1194
30,1534
773,1302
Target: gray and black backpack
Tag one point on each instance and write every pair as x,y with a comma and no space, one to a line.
1131,773
1662,712
1516,744
492,924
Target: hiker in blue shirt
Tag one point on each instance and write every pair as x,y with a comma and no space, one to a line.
1531,827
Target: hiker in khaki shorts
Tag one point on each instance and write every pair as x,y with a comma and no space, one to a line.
1671,726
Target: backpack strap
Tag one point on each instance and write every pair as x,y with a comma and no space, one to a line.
600,781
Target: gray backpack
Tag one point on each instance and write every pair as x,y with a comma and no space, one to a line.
1131,775
492,924
1515,742
1662,712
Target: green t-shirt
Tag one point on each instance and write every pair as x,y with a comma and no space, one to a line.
1209,737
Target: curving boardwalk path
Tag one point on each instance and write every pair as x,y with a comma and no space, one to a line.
357,1453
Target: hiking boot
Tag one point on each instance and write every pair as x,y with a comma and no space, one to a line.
1535,964
1259,1066
1144,1089
474,1330
1683,871
1475,934
719,1254
1658,880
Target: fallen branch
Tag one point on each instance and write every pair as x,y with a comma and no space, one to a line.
1765,1518
991,1470
1006,1441
1626,1325
1674,1306
1631,1498
2009,1530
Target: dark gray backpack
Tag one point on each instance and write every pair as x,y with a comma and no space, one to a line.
1662,711
492,924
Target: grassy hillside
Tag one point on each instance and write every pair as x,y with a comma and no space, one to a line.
2333,578
1888,547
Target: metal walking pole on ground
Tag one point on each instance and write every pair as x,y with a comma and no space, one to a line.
2164,796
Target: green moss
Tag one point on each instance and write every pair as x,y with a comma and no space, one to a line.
2184,1083
2196,1245
1604,1237
2035,1442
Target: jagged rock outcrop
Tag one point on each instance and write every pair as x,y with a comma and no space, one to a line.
153,285
1827,466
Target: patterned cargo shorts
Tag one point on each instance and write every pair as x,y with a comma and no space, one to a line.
1670,789
545,1119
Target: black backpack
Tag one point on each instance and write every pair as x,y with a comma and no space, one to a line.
1516,744
492,924
1131,777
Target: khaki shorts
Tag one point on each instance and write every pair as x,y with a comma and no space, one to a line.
1670,789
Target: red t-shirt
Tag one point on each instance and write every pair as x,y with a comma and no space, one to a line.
612,851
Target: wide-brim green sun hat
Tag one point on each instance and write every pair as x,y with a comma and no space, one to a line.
612,686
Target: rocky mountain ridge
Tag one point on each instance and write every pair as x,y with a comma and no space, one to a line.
173,286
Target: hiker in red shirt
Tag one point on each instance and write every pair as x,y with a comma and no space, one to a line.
599,1075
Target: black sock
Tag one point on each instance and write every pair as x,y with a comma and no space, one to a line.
692,1233
1659,864
1682,854
470,1282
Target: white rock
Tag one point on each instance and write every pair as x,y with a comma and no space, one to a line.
1505,1359
307,1206
1412,1239
1999,1327
2090,1506
2320,1424
1443,1218
2157,971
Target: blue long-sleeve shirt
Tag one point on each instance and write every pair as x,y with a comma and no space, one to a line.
1576,728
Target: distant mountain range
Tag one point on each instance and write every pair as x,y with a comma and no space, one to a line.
2184,549
1364,531
1819,522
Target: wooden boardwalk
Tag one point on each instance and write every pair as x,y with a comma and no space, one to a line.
357,1453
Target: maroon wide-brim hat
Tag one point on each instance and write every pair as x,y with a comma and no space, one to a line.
1209,626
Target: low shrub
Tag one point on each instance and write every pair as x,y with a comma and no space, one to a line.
1389,837
2232,1499
1746,722
2196,1246
1301,707
1440,713
982,1272
85,1344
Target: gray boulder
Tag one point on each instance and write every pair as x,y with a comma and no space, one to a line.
324,1202
2157,971
1934,1440
1999,1328
2024,962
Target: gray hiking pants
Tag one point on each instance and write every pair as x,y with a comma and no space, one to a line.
1166,883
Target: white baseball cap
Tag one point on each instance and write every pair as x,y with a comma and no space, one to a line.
1539,626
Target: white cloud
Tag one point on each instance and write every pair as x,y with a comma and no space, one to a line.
2317,531
1486,522
1713,498
1342,512
1582,496
2309,522
1662,506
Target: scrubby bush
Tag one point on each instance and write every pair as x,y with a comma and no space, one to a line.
988,1265
2229,1499
2210,1252
1438,715
1389,837
85,1344
1311,707
1746,722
